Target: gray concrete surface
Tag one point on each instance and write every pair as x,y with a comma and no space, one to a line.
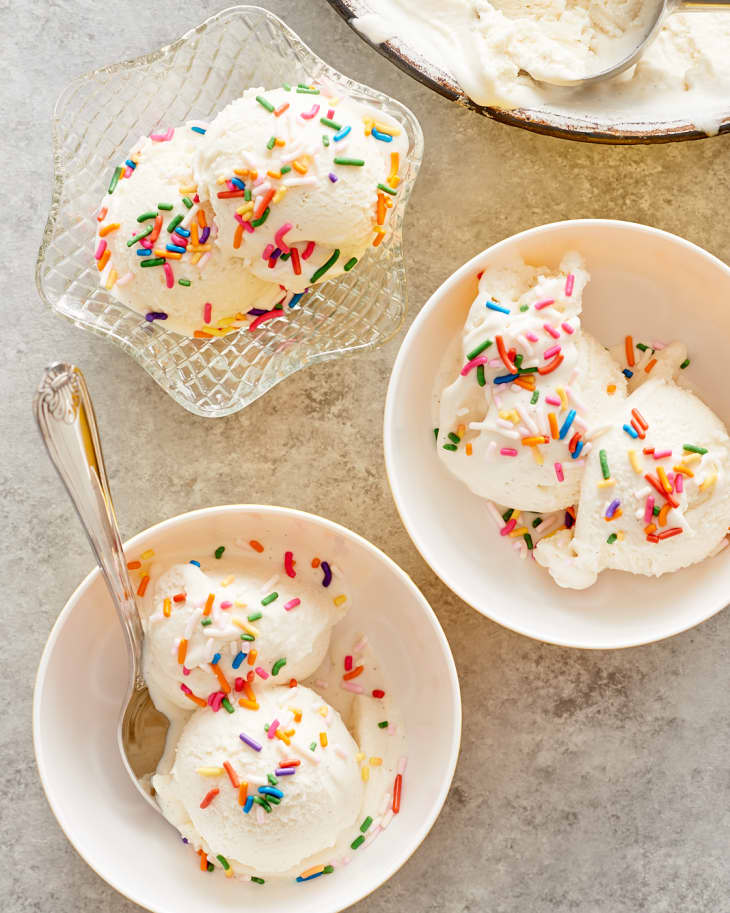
589,782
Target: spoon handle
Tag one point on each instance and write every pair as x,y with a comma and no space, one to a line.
65,416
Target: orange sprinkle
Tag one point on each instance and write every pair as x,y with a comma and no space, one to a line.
378,238
279,141
611,389
263,203
274,174
616,514
194,234
297,716
323,739
629,345
468,449
292,683
256,545
134,565
685,470
299,167
380,210
182,651
315,870
249,705
209,796
242,793
222,680
640,419
108,229
315,562
252,656
195,699
179,597
201,218
553,421
650,528
203,861
662,518
358,670
200,334
393,178
141,590
103,260
284,738
169,254
527,382
650,365
102,214
232,775
281,110
666,484
166,606
209,603
534,440
238,236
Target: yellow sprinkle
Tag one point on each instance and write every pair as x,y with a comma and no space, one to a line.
690,458
376,762
635,461
241,172
606,483
550,534
620,535
537,454
166,606
240,605
708,482
359,756
365,774
245,626
384,128
461,430
323,739
150,553
228,581
221,180
194,259
520,531
323,711
563,397
112,278
515,515
279,194
685,470
289,732
209,771
193,188
229,872
510,416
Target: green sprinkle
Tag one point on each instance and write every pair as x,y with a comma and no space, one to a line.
642,346
259,800
612,538
265,103
524,307
227,704
284,257
454,437
142,234
247,195
693,448
330,123
383,724
536,522
358,841
165,206
264,216
223,861
481,379
278,666
270,598
317,274
154,261
328,869
312,746
350,263
275,799
206,621
266,727
470,356
603,457
211,867
518,361
535,397
528,539
254,616
115,179
325,140
248,637
436,433
345,160
272,779
147,215
451,447
507,514
305,90
185,282
386,189
685,364
219,551
285,169
173,223
271,143
655,511
366,824
286,86
188,202
255,878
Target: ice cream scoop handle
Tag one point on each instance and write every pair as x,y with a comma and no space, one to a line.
65,416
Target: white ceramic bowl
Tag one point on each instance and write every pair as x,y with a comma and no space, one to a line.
83,673
643,281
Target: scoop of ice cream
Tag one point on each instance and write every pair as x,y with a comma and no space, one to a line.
648,512
530,390
309,806
206,627
299,180
155,244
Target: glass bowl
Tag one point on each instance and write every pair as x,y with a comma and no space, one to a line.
102,113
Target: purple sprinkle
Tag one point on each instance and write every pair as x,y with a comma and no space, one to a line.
249,741
612,507
257,312
333,177
275,253
155,315
204,234
327,571
185,840
285,771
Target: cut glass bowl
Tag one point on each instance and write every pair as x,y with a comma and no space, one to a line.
100,115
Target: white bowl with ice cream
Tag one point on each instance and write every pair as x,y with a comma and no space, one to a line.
645,283
375,609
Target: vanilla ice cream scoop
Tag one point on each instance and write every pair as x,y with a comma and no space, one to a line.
303,786
155,243
530,391
300,180
207,628
655,495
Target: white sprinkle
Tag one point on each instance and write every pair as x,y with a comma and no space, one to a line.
373,835
360,645
402,764
387,819
385,804
339,751
494,513
259,815
125,279
270,584
321,683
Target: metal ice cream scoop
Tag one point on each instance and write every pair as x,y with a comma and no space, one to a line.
655,19
65,416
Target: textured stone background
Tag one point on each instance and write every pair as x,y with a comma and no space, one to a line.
587,781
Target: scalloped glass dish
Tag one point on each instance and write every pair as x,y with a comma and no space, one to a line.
101,114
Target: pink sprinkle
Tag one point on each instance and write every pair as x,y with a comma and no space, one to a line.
331,113
128,172
238,684
178,239
241,221
100,249
348,663
146,243
279,236
352,686
662,454
649,509
546,302
207,312
479,360
186,671
507,528
548,353
553,400
273,726
658,345
568,328
559,472
227,604
569,283
551,330
230,185
163,137
169,278
215,701
289,564
531,337
679,483
508,451
308,115
292,604
262,317
185,689
126,278
262,673
308,250
268,251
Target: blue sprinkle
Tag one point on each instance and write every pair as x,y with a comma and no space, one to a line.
238,659
249,803
196,563
175,248
384,137
316,874
627,373
496,307
237,182
631,431
505,378
296,299
578,448
341,134
200,130
271,791
216,659
567,423
131,164
183,232
143,252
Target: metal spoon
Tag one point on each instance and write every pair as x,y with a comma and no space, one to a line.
654,23
65,416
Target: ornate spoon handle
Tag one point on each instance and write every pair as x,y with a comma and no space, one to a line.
65,416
